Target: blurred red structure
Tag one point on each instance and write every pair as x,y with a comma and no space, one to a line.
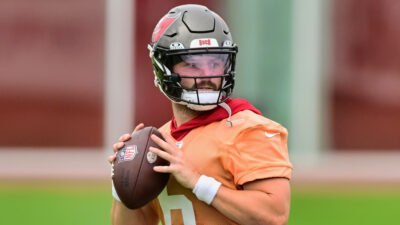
51,66
366,81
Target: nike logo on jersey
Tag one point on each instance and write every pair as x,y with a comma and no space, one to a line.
270,135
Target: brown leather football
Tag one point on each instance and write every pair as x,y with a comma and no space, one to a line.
135,181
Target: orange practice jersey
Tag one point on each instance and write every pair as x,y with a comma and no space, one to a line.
253,148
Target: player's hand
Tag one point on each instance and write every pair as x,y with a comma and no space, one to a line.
179,167
120,144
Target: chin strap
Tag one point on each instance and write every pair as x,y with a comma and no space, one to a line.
228,109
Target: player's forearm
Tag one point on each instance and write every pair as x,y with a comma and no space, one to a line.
120,215
251,207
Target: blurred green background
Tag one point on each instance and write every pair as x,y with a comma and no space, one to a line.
80,203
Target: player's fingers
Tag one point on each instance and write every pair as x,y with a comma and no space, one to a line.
111,158
162,154
117,146
124,137
138,127
167,138
162,169
164,145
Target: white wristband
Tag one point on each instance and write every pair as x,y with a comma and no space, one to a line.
114,193
206,188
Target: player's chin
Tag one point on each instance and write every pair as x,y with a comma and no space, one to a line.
207,88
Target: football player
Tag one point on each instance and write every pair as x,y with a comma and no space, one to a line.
229,164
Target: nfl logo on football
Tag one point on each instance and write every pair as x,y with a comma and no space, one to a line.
128,153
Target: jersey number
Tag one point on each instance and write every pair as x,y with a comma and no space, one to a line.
169,202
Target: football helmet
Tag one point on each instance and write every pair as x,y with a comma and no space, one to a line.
187,41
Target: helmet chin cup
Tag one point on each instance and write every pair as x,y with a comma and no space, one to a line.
202,100
203,97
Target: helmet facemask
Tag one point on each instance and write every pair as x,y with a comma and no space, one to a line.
200,79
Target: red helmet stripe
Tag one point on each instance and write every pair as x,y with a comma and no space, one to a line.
161,27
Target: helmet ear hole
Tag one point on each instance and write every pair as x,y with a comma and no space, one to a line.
175,78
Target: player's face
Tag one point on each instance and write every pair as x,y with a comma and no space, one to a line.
201,66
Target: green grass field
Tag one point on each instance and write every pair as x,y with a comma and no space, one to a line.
89,204
55,203
345,205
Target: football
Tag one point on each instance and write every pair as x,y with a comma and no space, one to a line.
135,181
